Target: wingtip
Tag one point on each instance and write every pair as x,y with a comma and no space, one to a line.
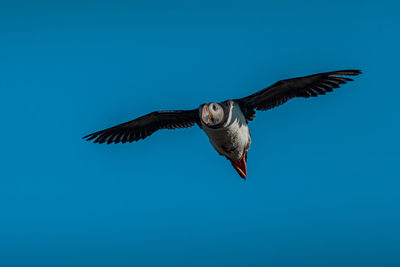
356,72
89,137
347,72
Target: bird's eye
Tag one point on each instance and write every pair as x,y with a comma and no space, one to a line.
214,107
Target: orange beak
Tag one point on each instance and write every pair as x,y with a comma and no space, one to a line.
203,115
240,165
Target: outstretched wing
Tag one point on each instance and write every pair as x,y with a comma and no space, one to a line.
145,126
282,91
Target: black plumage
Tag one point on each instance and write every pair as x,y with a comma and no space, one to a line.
270,97
145,126
284,90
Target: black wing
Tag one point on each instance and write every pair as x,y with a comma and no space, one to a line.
282,91
145,126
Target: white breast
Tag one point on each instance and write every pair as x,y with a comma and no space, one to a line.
233,138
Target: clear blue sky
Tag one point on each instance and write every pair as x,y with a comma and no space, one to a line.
323,183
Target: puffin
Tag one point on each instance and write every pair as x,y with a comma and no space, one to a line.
226,123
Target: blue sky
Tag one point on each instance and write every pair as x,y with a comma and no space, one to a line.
323,180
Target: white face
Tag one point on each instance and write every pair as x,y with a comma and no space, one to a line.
212,114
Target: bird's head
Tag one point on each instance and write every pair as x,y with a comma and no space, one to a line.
212,114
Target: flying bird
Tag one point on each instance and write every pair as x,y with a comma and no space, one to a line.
226,123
